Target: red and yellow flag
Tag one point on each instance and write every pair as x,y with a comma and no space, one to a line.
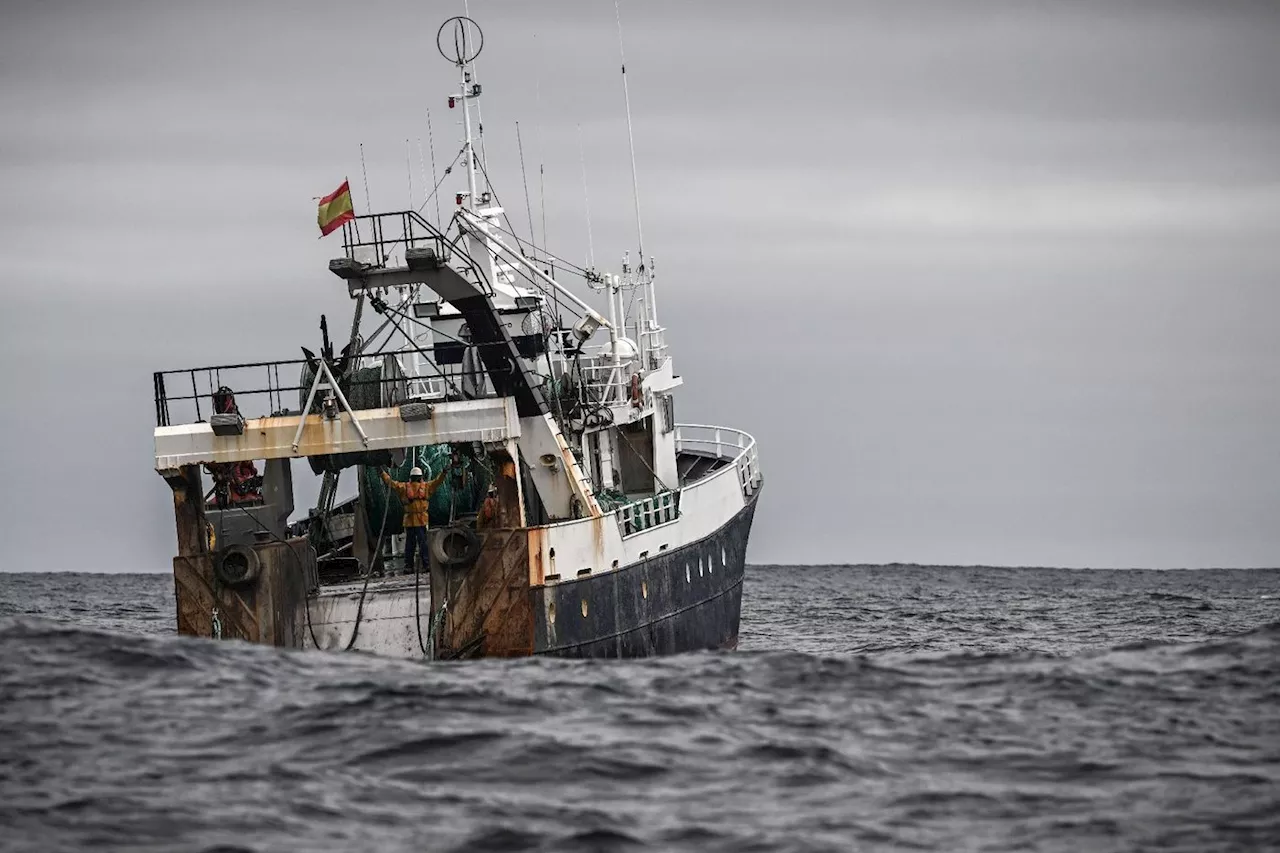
335,209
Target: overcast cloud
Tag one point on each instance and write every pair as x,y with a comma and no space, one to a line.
991,282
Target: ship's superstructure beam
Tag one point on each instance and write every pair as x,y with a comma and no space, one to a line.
492,419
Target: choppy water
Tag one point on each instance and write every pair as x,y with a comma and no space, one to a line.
869,709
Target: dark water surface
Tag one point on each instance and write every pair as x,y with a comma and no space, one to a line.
868,709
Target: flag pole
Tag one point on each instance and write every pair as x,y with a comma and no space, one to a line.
355,222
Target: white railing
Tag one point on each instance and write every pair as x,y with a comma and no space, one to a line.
650,512
432,388
603,380
731,445
654,345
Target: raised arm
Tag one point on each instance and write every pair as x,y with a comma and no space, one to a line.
399,487
434,482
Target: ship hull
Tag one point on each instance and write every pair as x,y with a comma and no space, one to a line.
679,600
657,576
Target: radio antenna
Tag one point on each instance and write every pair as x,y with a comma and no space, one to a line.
408,168
542,169
528,208
431,141
586,200
635,181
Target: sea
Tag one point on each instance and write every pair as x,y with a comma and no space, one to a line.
867,708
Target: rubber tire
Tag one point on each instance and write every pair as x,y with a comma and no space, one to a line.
239,556
465,556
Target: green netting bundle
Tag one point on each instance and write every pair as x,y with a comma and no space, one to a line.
611,499
460,494
362,388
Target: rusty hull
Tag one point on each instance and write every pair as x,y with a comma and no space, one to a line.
271,609
490,605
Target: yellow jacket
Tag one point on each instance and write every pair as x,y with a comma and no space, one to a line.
414,496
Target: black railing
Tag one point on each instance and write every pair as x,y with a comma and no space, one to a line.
369,231
204,383
250,382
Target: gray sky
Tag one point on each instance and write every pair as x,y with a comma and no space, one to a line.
991,282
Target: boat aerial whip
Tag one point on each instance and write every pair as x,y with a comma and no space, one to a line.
408,168
586,200
528,208
368,204
431,142
626,96
422,168
542,173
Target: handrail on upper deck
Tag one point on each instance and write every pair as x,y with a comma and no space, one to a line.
745,458
742,443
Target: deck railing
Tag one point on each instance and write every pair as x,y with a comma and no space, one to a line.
380,239
261,389
731,445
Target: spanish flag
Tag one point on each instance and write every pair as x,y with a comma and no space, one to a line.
335,209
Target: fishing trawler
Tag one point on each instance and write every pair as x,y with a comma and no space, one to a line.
572,515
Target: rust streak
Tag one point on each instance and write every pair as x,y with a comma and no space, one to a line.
537,571
597,536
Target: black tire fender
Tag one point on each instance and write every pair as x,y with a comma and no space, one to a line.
454,546
237,566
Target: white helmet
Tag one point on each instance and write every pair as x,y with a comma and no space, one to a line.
415,472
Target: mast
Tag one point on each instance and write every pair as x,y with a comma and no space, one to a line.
649,337
469,90
477,230
466,12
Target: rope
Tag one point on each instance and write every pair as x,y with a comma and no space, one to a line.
643,461
417,613
301,568
430,358
570,267
377,552
448,169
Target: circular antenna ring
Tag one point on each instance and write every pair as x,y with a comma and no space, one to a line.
459,49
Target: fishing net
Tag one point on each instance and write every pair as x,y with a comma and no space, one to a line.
460,494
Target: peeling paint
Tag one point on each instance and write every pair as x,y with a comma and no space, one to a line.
489,420
537,542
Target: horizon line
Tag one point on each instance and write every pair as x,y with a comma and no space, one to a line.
891,565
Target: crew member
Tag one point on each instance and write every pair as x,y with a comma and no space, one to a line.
414,495
488,510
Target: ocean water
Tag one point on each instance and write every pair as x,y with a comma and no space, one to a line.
893,708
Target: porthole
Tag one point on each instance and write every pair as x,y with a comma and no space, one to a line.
551,613
615,564
644,589
584,608
687,578
724,556
700,566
